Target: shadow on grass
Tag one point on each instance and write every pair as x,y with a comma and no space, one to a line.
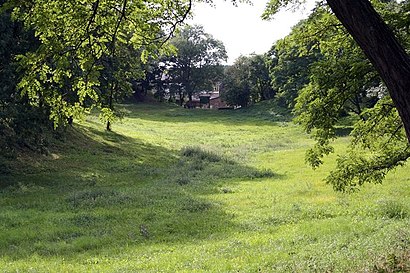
107,191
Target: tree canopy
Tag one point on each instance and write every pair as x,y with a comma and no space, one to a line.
90,49
342,81
347,59
378,42
247,81
197,62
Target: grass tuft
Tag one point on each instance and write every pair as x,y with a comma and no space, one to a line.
97,198
198,153
392,209
192,205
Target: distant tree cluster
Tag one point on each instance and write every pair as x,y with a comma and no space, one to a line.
247,81
195,65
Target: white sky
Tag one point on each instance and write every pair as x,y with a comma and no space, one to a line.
241,28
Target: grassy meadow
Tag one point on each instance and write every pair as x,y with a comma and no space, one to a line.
177,190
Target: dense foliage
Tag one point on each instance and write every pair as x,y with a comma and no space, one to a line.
90,51
289,65
339,80
61,59
197,66
193,64
247,81
20,123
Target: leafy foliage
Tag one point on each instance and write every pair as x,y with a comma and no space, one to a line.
81,39
237,88
341,81
273,6
379,145
289,66
21,125
197,64
247,81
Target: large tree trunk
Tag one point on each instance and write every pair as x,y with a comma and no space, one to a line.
381,47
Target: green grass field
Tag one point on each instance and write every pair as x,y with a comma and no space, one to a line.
175,190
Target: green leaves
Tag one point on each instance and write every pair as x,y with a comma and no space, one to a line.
196,62
247,81
357,168
341,83
77,37
273,6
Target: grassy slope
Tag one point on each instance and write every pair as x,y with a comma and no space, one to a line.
240,199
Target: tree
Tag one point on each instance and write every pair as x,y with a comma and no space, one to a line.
21,125
259,78
247,81
378,43
341,81
81,39
197,62
289,66
120,69
382,48
236,86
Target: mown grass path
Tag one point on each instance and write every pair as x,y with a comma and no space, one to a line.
175,190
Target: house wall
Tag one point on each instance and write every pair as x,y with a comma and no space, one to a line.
217,103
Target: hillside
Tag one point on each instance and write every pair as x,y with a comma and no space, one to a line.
177,190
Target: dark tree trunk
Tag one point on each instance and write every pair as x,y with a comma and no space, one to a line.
110,105
381,47
181,97
70,120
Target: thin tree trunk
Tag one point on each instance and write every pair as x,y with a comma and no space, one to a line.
110,105
181,97
381,47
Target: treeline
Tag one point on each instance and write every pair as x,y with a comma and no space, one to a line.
194,65
318,54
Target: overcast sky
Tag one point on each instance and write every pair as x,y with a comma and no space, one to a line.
241,28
